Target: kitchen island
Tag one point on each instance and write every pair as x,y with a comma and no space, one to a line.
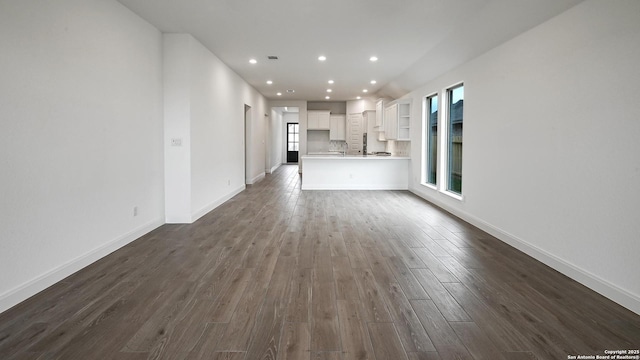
355,172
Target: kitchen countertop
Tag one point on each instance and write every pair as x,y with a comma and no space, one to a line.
339,156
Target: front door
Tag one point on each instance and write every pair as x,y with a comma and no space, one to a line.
293,142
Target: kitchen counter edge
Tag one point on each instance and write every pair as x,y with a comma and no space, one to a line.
354,157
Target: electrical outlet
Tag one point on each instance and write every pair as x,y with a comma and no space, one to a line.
135,211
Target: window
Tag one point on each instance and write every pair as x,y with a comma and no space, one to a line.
442,141
293,140
431,139
455,99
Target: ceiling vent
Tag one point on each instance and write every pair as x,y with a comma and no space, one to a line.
291,91
272,57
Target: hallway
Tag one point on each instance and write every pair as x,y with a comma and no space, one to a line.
278,273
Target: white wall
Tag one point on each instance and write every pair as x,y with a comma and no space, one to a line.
551,152
204,106
177,126
358,106
335,107
80,137
290,118
274,140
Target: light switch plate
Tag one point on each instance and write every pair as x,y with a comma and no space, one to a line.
176,142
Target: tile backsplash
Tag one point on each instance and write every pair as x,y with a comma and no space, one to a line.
399,148
337,145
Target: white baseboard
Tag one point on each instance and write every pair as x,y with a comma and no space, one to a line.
202,212
32,287
256,179
586,278
178,220
274,168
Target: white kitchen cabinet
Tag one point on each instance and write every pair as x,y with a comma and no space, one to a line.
391,122
404,121
397,121
337,127
379,115
318,119
374,143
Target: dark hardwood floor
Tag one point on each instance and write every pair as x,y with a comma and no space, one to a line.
278,273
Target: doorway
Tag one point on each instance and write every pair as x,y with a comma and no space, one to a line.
293,142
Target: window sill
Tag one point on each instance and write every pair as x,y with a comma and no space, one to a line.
445,192
430,186
453,195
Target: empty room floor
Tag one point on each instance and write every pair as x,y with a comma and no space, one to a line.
278,273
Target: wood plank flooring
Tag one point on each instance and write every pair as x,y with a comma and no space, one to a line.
278,273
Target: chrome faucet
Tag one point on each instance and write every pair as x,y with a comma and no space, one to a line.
345,148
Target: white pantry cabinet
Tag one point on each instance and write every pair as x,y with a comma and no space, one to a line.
337,127
379,115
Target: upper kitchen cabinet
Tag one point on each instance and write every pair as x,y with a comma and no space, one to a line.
318,120
379,125
404,121
391,122
397,121
337,127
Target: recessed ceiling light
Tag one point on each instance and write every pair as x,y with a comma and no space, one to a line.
373,59
330,81
269,82
365,90
279,94
373,82
327,97
253,61
358,97
329,90
322,58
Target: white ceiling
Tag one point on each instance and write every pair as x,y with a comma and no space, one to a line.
415,40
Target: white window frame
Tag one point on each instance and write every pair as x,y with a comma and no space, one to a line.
426,111
444,122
